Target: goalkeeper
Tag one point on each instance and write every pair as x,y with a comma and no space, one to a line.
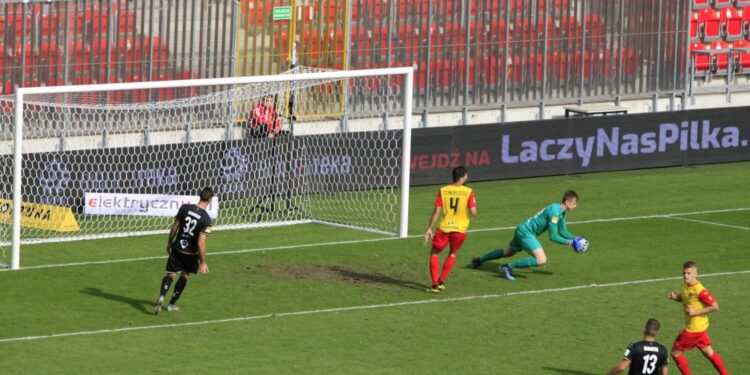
551,218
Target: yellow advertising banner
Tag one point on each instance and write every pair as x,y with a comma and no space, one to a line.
40,216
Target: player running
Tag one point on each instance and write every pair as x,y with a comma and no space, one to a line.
186,248
551,218
456,201
697,303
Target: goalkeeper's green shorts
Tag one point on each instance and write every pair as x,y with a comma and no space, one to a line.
524,241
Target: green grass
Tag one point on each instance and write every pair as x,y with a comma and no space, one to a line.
560,330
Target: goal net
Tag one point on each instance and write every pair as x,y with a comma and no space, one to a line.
307,146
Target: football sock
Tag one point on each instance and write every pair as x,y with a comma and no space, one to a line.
434,267
178,290
447,266
682,364
165,283
524,263
718,363
494,254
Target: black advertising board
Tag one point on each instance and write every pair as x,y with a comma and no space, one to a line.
580,145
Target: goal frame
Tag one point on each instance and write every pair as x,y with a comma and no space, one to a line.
21,92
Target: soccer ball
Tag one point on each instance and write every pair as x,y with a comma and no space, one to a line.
584,245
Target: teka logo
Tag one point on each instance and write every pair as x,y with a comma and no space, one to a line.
233,169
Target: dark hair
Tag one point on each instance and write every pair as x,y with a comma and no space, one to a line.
689,264
570,194
652,327
206,194
459,172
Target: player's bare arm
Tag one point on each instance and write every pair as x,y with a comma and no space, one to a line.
203,269
473,210
706,310
433,220
172,233
620,367
674,296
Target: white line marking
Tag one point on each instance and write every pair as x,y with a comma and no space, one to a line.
709,222
364,307
319,244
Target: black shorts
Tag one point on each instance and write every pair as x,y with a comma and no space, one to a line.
179,261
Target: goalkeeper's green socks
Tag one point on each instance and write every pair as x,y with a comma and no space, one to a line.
524,263
494,254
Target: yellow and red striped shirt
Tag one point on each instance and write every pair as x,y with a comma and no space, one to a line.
455,201
698,297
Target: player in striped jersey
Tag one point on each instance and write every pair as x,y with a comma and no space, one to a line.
456,201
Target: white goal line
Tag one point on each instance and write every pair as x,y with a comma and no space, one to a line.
339,243
362,307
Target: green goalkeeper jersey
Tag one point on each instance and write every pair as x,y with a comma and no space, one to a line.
551,218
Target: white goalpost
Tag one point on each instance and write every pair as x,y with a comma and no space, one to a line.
116,160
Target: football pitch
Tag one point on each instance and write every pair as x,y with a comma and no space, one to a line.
313,299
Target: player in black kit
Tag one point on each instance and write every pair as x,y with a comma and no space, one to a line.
186,248
645,357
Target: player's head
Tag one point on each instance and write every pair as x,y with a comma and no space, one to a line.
569,200
206,194
460,174
652,328
689,272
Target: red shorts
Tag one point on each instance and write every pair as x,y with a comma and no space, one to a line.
441,239
688,340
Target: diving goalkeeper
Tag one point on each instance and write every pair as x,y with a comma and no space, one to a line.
551,218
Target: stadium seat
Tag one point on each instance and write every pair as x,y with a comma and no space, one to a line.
701,4
700,59
695,30
740,56
720,56
731,24
710,22
721,4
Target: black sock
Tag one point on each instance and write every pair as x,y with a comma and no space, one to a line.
178,290
165,283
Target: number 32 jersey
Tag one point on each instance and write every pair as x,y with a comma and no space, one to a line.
455,201
194,221
646,357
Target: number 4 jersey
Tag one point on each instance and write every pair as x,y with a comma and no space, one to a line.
194,221
646,357
455,201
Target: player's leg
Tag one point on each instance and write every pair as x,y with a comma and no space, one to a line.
173,266
191,263
178,288
439,241
711,355
513,247
456,240
532,246
682,343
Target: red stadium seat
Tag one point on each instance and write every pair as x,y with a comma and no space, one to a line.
701,58
720,56
731,24
710,22
694,28
740,56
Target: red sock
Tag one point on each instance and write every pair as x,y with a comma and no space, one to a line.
682,364
718,363
447,267
434,267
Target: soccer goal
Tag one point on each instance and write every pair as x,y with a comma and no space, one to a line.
115,160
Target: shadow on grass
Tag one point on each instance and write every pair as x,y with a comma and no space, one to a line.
138,304
376,278
565,371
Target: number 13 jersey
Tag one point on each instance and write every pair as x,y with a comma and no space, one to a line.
455,201
194,221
